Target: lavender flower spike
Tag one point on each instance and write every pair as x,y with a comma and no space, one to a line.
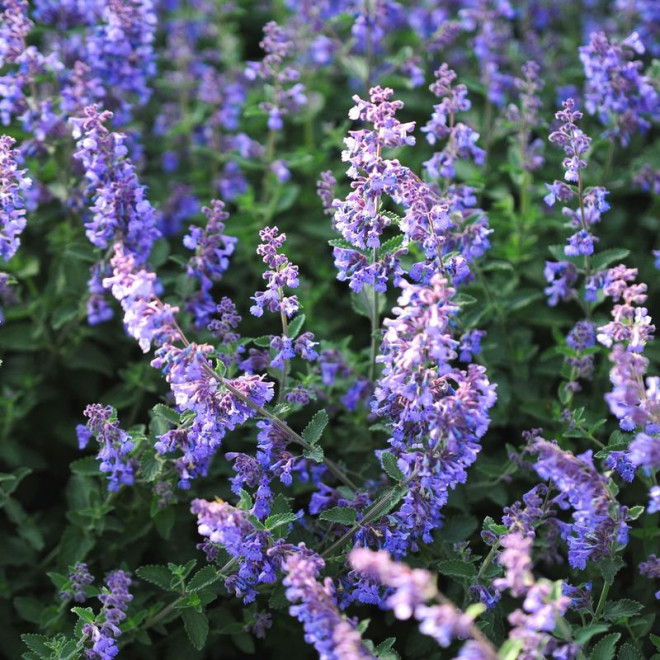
12,212
332,635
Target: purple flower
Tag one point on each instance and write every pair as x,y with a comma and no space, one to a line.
561,275
212,251
115,444
13,183
624,99
651,568
571,139
105,630
516,559
333,636
79,578
282,273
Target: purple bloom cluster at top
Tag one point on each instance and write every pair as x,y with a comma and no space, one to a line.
212,251
288,95
592,200
460,139
625,100
437,413
332,635
104,633
282,273
115,444
13,183
14,28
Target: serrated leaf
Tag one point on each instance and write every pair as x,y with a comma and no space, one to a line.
392,245
315,454
150,467
456,568
314,430
84,613
607,257
263,341
605,648
621,608
390,466
296,325
37,644
345,515
635,512
162,411
279,519
197,627
203,578
629,652
609,567
344,245
161,576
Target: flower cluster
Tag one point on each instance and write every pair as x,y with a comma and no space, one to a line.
104,632
115,444
212,251
460,139
591,200
13,184
437,413
599,524
287,95
332,635
410,590
260,558
625,100
651,568
79,578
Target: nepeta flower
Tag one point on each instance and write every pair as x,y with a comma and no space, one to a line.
260,556
13,184
104,632
282,273
333,636
115,444
599,522
79,578
409,591
437,413
212,251
624,99
287,94
651,568
571,139
460,139
14,28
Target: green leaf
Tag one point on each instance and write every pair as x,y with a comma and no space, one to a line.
296,325
635,512
609,567
622,608
345,515
203,578
391,245
629,652
172,416
37,644
583,635
605,648
279,519
655,640
344,245
84,613
262,342
313,431
88,466
456,568
197,627
161,576
607,257
315,454
390,466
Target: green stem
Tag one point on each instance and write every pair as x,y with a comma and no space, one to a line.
375,324
601,602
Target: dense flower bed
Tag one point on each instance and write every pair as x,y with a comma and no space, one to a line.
325,329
